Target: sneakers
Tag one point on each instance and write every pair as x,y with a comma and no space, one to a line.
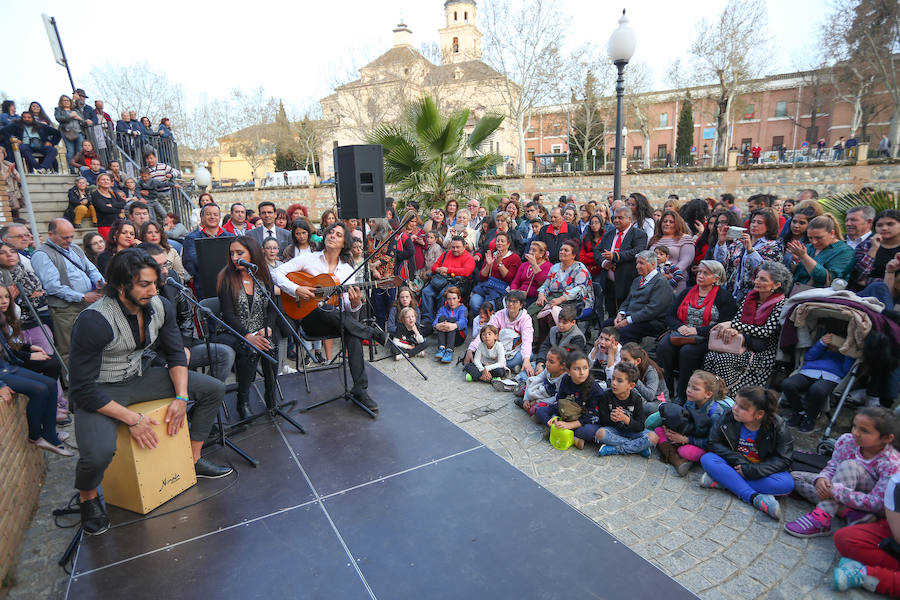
607,450
45,445
646,452
448,356
796,419
849,574
288,370
706,481
439,355
807,425
210,470
398,357
468,377
93,518
520,389
520,402
809,525
422,354
768,504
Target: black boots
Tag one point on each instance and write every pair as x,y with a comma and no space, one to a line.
243,404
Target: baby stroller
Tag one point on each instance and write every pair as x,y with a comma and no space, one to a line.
809,315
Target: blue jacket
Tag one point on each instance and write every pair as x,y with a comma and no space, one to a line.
819,358
459,315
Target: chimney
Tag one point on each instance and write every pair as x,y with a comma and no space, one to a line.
402,35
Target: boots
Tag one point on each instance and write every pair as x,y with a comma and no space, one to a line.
243,404
668,453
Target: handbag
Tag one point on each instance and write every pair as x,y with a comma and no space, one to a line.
684,340
717,344
568,409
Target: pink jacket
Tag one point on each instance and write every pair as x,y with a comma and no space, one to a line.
528,280
882,467
522,326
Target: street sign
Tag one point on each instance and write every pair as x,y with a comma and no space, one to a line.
693,149
804,145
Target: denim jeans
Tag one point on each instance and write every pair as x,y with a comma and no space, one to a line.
486,291
73,147
627,442
725,475
430,297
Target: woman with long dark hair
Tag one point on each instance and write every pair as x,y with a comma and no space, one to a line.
152,233
93,245
301,239
244,308
121,237
642,213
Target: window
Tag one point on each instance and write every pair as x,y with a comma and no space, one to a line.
454,16
750,111
466,17
232,151
556,148
638,152
456,45
531,154
781,109
777,142
664,119
661,151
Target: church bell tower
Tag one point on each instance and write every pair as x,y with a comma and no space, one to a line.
460,38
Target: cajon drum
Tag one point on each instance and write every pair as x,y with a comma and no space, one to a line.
140,479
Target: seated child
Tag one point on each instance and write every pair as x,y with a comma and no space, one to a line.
622,415
405,298
671,272
682,446
650,386
871,551
565,334
605,354
750,452
450,325
576,405
545,384
490,357
484,315
406,335
822,371
852,484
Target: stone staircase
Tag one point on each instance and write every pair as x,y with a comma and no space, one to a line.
49,198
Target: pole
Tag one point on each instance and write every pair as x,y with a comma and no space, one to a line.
20,167
617,167
63,52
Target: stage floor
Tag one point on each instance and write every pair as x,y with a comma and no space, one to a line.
405,506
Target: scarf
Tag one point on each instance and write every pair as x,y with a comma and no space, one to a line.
755,313
692,300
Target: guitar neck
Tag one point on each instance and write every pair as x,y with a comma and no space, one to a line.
328,290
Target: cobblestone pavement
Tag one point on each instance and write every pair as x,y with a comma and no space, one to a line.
712,543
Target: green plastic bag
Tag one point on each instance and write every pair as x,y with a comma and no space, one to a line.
561,439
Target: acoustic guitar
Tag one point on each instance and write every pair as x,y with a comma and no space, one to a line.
328,290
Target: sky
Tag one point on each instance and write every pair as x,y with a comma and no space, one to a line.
296,50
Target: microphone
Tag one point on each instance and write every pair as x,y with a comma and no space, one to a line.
247,265
178,286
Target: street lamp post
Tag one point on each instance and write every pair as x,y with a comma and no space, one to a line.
620,50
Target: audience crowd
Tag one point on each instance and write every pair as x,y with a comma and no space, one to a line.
611,323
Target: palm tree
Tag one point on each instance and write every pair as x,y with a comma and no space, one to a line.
429,158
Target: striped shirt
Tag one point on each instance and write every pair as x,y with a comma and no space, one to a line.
159,172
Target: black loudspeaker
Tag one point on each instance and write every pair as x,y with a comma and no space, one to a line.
212,256
359,181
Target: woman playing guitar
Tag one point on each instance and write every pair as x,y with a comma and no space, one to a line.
326,320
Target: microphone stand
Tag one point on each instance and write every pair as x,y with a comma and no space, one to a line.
276,409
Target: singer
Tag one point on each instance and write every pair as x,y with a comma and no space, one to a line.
326,320
108,340
244,309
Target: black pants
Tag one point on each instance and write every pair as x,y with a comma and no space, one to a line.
685,359
329,321
472,370
246,360
635,332
96,433
610,301
816,393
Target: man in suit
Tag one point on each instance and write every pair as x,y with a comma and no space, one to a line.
267,227
644,310
616,254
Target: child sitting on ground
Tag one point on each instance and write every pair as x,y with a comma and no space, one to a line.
622,415
406,335
650,386
871,551
808,390
704,411
750,452
450,325
484,315
852,484
565,334
544,385
490,357
606,354
405,298
665,267
576,404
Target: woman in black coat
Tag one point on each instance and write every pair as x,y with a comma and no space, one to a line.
693,314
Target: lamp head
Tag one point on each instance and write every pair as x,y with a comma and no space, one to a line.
201,176
622,41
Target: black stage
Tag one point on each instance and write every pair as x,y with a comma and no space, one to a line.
405,506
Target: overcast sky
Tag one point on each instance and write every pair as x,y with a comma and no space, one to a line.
293,51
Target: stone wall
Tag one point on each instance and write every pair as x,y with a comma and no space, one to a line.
20,484
657,184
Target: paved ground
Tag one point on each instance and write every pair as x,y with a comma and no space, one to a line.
708,540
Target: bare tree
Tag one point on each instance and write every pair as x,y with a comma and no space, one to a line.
521,43
730,51
199,130
139,88
311,130
639,103
587,130
431,51
252,116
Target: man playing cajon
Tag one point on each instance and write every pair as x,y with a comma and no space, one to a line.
108,340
